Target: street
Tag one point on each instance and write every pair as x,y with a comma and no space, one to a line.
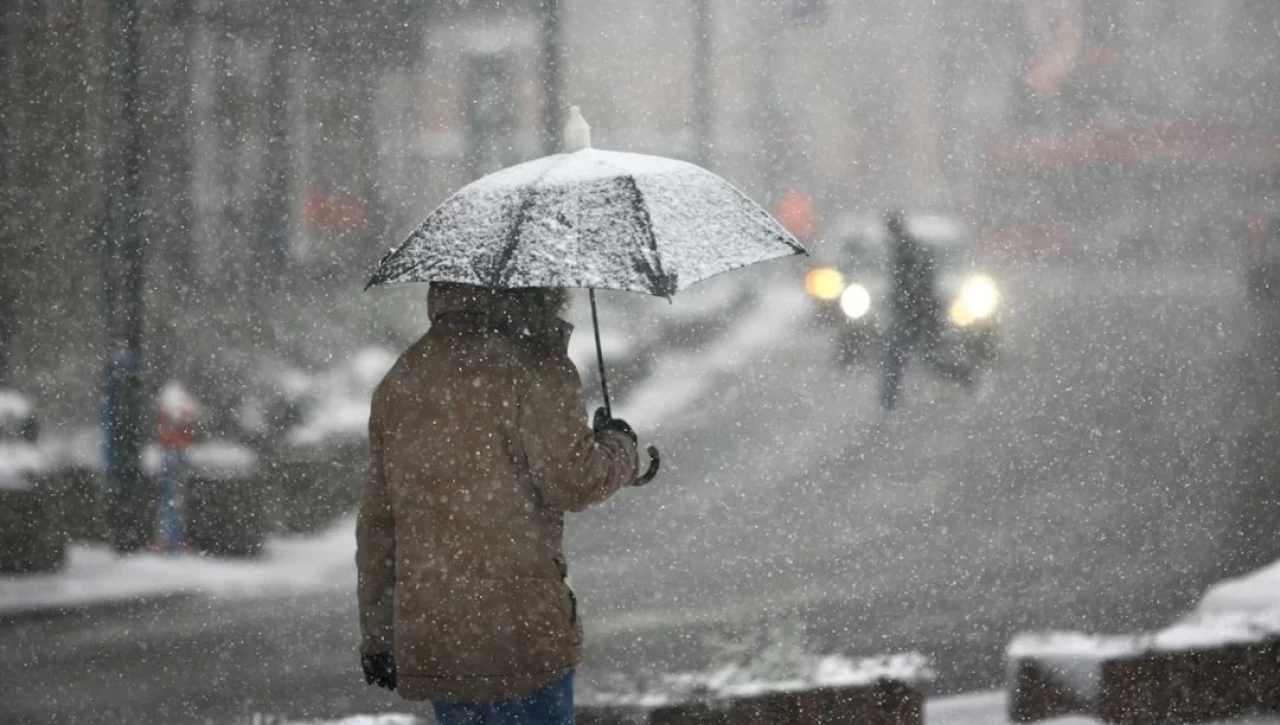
1101,477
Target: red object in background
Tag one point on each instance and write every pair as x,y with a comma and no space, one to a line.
798,215
326,211
176,419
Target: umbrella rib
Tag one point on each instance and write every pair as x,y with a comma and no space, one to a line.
501,275
663,285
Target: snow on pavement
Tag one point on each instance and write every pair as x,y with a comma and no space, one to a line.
96,575
979,708
678,381
394,719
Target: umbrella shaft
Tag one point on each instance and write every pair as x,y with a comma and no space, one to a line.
595,324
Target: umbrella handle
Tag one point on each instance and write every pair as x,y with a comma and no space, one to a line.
654,462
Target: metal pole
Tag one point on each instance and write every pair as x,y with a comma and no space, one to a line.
702,82
9,178
274,202
123,266
770,110
552,59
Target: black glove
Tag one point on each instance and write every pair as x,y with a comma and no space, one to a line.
601,422
380,670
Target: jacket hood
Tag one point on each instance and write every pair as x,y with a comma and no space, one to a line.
444,298
527,312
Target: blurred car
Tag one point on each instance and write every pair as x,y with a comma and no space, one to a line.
1262,258
851,281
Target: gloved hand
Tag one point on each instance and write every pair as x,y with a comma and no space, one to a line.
380,670
602,421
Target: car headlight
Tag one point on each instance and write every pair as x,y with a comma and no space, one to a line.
824,283
855,301
978,300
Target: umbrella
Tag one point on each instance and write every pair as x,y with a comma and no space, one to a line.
591,219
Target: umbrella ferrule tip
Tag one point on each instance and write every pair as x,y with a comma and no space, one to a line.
577,134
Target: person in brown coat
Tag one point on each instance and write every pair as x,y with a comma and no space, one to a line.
478,445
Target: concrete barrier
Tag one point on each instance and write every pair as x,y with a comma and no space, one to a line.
30,540
1034,695
887,702
224,500
1192,672
1195,685
881,691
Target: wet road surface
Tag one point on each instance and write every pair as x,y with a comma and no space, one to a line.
1113,463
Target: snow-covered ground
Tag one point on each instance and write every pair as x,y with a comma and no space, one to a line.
1255,593
981,708
96,575
1236,611
680,379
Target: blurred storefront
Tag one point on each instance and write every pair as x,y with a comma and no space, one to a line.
290,142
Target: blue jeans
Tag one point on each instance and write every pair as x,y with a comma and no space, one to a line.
549,705
172,529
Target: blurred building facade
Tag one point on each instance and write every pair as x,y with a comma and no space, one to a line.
289,143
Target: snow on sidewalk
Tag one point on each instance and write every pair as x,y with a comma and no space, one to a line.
979,708
393,719
96,575
679,380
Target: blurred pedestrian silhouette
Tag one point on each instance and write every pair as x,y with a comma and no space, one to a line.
916,315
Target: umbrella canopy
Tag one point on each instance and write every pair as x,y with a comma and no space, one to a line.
593,219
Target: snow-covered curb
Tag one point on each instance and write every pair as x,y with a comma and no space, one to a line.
738,681
1221,658
1257,593
977,708
392,719
94,575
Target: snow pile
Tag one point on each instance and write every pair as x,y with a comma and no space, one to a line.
96,575
1256,593
81,447
15,410
221,461
737,681
391,719
20,464
762,677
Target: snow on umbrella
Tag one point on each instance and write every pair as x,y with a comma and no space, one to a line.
591,219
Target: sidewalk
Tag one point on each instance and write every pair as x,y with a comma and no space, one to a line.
95,576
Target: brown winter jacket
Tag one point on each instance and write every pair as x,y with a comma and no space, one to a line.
478,445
